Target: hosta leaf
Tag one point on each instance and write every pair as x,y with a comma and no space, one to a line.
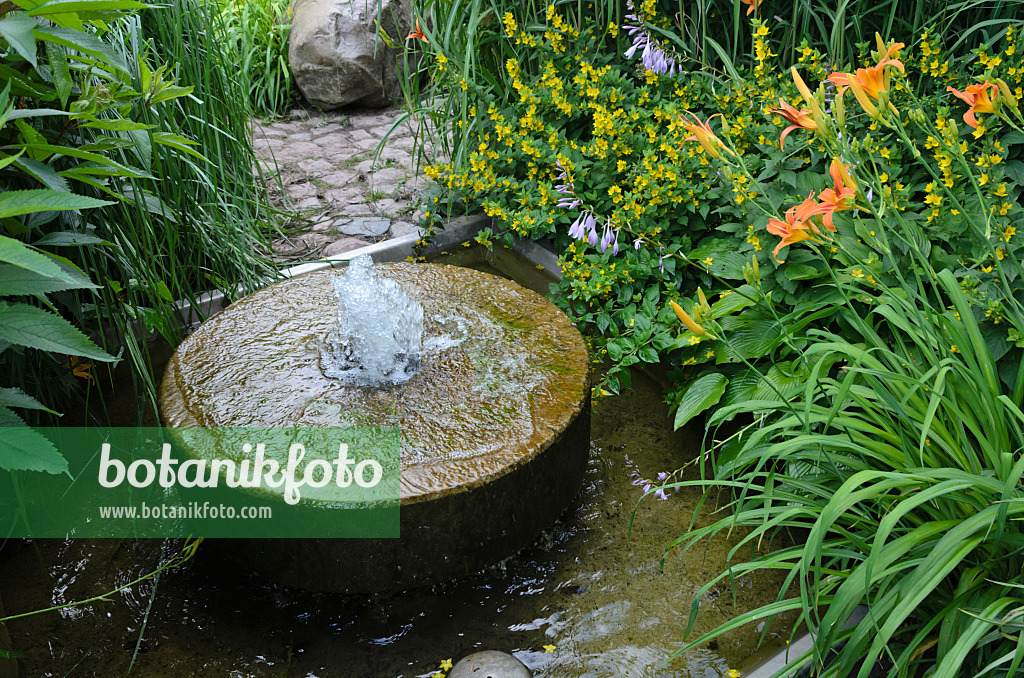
16,203
702,394
24,449
34,327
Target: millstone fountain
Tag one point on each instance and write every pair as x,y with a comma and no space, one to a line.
488,382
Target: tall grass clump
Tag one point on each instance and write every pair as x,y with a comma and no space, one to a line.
256,33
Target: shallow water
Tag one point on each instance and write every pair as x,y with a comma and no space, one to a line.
599,597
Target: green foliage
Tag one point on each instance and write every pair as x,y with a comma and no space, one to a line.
256,37
902,474
120,191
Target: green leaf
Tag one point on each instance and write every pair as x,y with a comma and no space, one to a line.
17,29
116,124
35,113
702,394
15,397
802,272
24,449
43,173
25,325
648,355
614,351
76,6
178,142
69,239
86,43
16,203
23,256
60,71
16,280
168,92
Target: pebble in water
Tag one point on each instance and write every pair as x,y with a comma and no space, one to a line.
489,664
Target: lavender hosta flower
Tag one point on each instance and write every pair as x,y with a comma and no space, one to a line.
608,236
569,202
653,56
583,223
660,494
871,193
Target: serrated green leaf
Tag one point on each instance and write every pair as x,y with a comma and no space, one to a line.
6,160
25,449
168,92
702,394
15,280
17,29
25,325
43,173
16,203
20,255
15,397
9,417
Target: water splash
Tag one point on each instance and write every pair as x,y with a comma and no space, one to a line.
378,336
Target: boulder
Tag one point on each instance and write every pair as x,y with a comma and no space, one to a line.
336,56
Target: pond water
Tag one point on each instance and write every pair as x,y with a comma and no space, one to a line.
587,587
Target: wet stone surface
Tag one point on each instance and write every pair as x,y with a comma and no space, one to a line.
330,174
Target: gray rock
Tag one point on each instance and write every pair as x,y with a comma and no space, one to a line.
489,664
315,165
343,197
341,246
300,191
400,228
360,209
310,203
359,134
339,178
364,226
387,176
336,55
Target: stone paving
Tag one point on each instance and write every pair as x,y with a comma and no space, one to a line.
345,197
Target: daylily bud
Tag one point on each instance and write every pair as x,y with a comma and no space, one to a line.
1006,96
840,110
687,320
757,270
704,306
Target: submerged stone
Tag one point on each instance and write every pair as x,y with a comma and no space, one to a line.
489,664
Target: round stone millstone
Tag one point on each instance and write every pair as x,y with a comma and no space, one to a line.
495,425
489,664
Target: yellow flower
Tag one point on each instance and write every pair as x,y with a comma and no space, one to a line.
707,261
732,673
446,665
548,649
954,349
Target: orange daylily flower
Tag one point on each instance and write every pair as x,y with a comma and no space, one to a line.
801,119
702,134
868,84
840,196
417,33
977,97
797,227
78,368
755,5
